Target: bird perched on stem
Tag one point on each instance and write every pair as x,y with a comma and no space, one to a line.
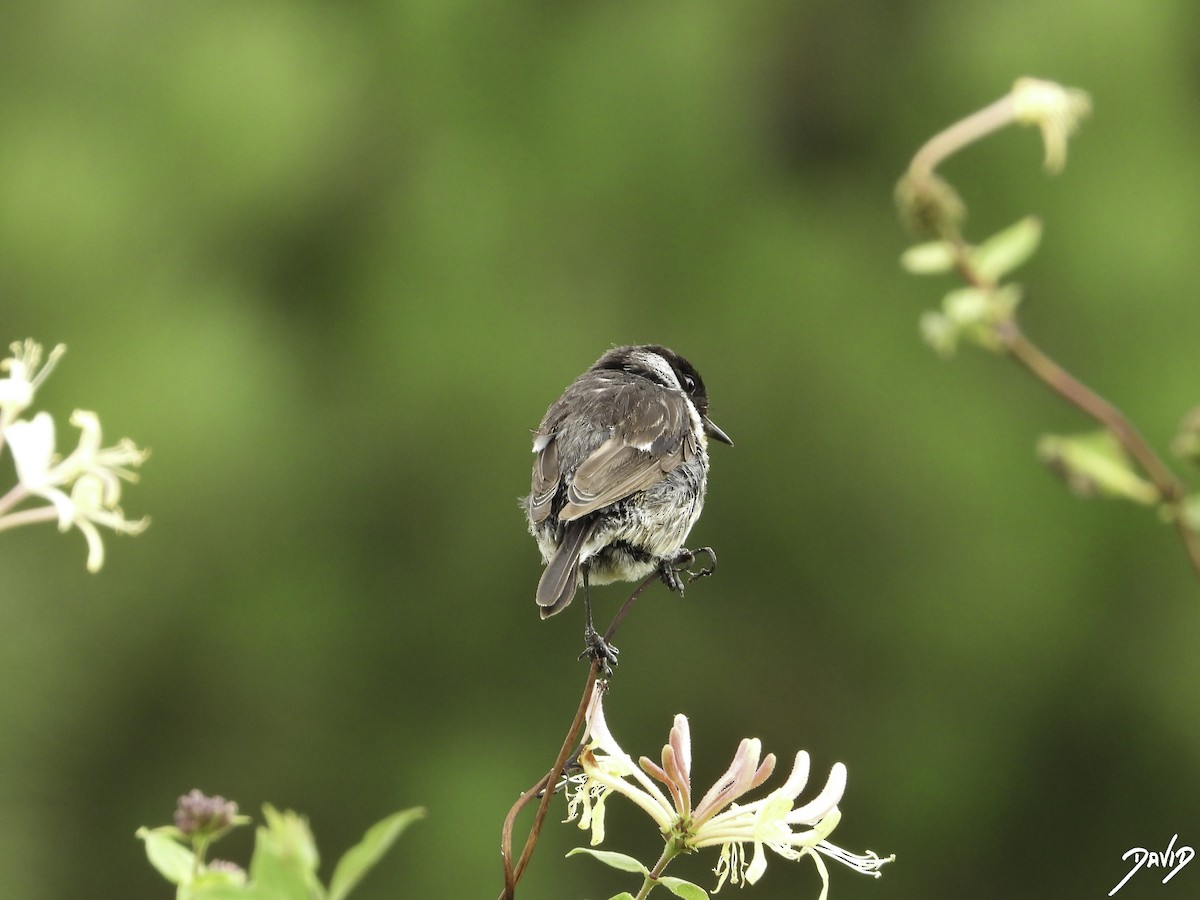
619,477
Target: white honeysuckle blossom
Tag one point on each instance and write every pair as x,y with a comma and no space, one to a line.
93,474
1055,110
84,489
24,377
717,819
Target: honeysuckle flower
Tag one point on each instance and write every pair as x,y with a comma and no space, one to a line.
1055,110
773,821
92,473
24,377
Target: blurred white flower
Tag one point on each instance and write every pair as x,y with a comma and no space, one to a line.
1054,109
24,377
91,473
717,819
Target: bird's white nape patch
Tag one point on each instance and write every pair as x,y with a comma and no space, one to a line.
540,442
659,366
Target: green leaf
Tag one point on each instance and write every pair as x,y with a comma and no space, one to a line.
972,313
624,895
174,862
1191,511
220,884
279,876
616,860
1095,464
939,333
681,888
285,858
289,831
219,878
1006,250
967,306
230,892
1186,444
360,858
932,258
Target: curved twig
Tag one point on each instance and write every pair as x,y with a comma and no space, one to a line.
545,785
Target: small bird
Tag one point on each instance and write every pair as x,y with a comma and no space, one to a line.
619,477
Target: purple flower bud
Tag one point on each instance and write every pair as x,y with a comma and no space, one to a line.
198,814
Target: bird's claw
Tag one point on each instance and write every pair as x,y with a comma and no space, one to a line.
674,568
599,651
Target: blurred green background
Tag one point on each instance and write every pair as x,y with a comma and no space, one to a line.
331,262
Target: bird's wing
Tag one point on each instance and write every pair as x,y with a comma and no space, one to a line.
545,480
651,436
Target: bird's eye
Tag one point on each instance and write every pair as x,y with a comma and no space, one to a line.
689,384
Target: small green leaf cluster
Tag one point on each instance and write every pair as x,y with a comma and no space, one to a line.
978,312
282,867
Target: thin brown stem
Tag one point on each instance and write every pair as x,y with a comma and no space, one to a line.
1191,540
545,785
962,133
1075,392
1081,396
513,873
628,605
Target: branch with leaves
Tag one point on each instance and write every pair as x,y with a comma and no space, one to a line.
1116,461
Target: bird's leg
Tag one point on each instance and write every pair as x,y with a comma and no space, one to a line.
597,648
672,569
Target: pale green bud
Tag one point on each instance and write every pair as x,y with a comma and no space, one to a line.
932,258
1006,250
1095,465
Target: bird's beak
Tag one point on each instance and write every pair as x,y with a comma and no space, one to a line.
711,429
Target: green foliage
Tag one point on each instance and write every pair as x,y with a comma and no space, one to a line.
174,861
1191,510
359,859
970,314
611,858
974,313
1006,250
684,889
624,863
931,258
284,863
985,311
1095,464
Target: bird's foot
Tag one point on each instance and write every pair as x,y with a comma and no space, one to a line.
599,650
672,570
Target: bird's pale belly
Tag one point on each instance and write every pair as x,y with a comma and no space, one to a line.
641,531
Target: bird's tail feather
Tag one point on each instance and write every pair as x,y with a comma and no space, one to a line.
556,589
